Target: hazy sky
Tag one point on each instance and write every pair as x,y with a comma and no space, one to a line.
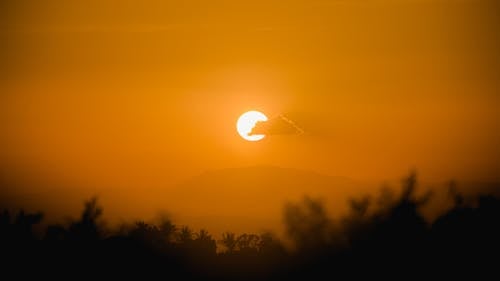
142,94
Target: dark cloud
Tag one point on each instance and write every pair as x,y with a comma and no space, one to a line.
279,125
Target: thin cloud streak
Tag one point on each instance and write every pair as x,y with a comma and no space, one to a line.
286,119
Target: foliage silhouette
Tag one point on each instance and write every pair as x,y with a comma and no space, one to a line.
380,237
229,241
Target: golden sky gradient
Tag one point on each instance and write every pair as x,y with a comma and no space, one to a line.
134,96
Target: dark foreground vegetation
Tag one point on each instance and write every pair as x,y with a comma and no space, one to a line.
386,237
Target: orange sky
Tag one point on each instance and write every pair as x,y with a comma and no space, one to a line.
144,95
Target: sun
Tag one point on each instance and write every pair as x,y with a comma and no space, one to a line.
247,122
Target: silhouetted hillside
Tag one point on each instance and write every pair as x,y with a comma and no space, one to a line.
257,194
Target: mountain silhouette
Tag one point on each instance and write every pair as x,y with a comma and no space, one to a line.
257,193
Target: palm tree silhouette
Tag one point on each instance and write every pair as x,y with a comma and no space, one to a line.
185,235
167,229
229,241
203,235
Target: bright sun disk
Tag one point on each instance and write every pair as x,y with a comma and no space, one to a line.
247,122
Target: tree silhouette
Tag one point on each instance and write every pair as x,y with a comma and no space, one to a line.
307,224
229,241
380,236
247,242
204,244
185,235
167,229
203,235
88,227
